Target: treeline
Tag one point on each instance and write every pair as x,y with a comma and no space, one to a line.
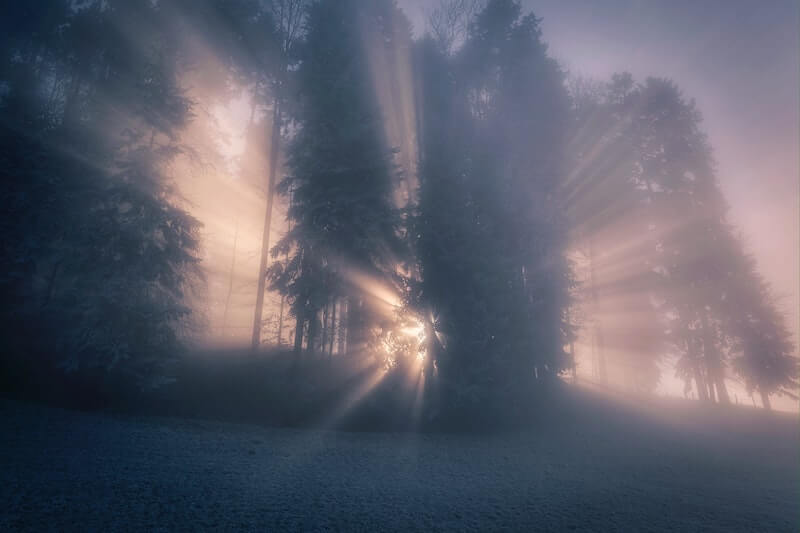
455,265
673,277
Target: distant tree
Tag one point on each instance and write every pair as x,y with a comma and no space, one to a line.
288,16
646,163
688,215
604,200
763,352
448,22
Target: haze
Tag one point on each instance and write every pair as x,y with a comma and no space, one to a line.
369,265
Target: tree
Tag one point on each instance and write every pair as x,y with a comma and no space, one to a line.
648,161
340,173
489,235
288,16
604,199
762,348
103,259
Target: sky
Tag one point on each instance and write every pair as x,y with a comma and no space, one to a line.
739,60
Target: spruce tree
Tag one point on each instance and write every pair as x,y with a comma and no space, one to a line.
340,174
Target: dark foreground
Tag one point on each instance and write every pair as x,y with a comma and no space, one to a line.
607,468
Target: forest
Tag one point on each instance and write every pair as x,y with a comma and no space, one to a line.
309,265
460,215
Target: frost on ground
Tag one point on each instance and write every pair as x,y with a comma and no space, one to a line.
661,467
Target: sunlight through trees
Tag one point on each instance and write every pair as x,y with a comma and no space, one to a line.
448,222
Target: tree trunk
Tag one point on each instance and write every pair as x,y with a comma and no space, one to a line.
697,371
280,321
298,337
700,383
765,400
333,326
342,330
711,396
324,341
283,296
313,329
432,350
230,280
722,389
355,326
572,349
262,267
600,356
713,364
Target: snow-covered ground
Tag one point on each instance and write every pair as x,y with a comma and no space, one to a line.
606,466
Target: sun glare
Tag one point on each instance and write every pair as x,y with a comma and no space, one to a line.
404,341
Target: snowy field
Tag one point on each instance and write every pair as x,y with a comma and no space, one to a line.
609,467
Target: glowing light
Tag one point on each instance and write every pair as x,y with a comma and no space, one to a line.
404,342
370,379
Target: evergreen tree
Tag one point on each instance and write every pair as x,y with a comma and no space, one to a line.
101,259
762,349
604,200
490,238
662,179
340,174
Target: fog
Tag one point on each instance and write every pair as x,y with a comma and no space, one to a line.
489,240
745,82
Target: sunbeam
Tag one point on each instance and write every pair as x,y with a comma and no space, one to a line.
399,265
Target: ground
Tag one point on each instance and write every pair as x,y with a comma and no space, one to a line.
612,466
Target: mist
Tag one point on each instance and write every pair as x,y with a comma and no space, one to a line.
488,240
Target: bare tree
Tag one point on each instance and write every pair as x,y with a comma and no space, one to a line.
288,15
230,279
448,22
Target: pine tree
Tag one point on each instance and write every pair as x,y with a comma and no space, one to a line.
694,266
341,177
489,235
763,351
106,260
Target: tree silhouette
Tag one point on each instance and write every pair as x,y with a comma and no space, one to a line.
340,175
